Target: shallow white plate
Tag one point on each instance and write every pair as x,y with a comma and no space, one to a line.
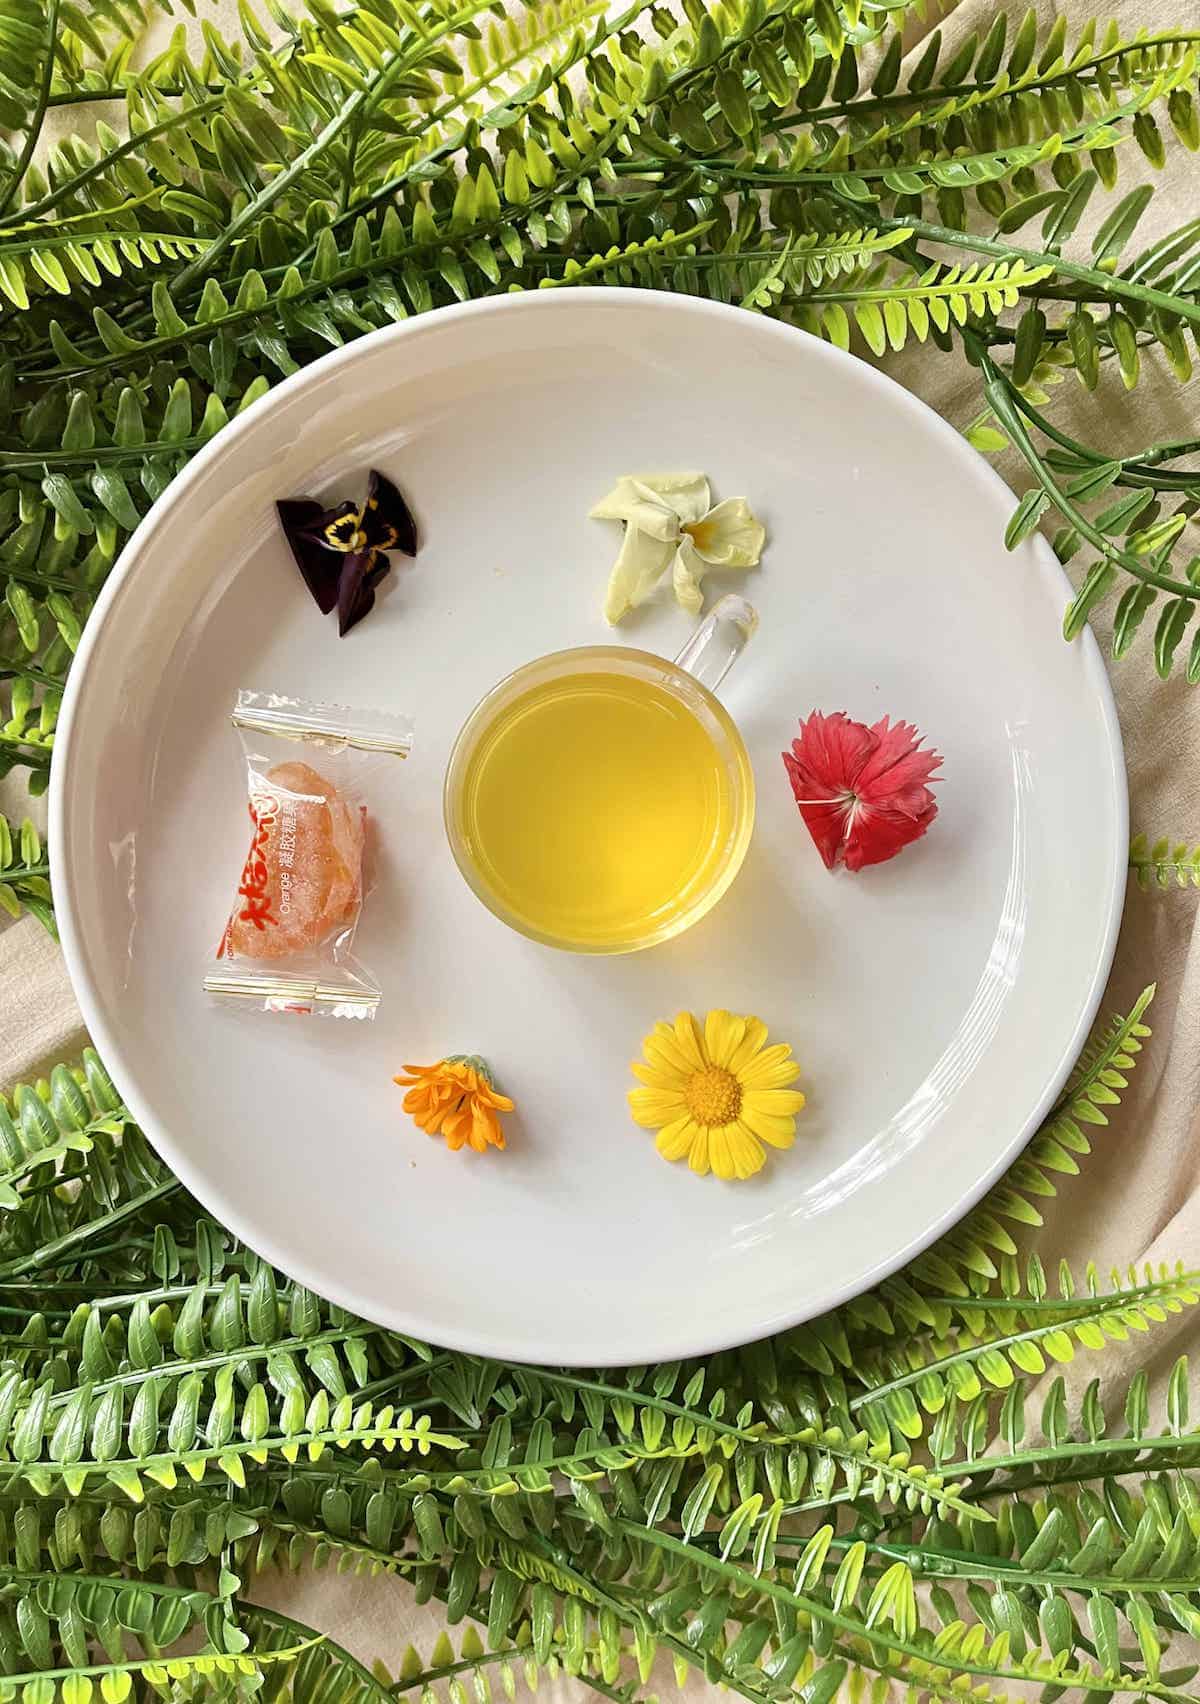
935,1002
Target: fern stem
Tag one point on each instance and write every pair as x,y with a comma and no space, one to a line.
464,1665
901,98
247,1353
100,455
27,577
936,1563
1116,1303
157,1588
108,92
50,1252
1071,141
139,1665
1108,284
440,1479
571,1583
615,1694
1158,453
34,130
388,1382
291,174
645,1399
114,1304
71,186
297,1631
236,1449
22,873
895,292
25,743
1006,403
1186,1445
1000,1304
32,672
73,239
1081,1080
254,209
43,1286
879,1634
1136,469
343,1545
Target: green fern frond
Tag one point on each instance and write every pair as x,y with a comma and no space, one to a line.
57,261
24,872
1165,864
807,261
1149,539
887,313
1073,1455
636,262
203,1666
117,1180
1112,1047
1039,1332
1107,81
421,1673
37,1132
59,536
874,1619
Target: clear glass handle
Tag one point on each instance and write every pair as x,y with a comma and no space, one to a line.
719,641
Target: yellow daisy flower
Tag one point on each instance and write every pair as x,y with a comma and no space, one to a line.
716,1094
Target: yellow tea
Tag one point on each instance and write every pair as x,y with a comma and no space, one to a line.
597,808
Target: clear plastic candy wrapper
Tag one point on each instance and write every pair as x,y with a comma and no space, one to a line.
288,943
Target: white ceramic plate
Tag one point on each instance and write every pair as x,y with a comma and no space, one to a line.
936,1002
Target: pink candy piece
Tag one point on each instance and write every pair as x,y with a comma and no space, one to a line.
302,880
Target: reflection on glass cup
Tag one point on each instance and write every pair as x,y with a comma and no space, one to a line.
601,800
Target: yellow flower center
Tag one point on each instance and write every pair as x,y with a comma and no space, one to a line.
714,1096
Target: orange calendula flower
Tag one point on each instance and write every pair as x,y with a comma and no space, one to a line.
456,1099
716,1093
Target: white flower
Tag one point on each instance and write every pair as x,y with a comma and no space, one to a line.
669,519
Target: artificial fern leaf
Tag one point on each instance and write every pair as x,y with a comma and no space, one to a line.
1164,864
24,872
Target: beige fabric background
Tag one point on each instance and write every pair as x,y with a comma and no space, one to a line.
1139,1198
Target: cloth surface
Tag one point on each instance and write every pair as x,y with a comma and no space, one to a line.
1138,1198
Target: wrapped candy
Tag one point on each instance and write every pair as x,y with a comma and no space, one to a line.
289,939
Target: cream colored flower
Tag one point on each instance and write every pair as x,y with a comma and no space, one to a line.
669,520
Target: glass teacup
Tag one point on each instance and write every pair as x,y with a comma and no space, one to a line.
601,800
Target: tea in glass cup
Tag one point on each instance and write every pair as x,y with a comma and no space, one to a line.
601,800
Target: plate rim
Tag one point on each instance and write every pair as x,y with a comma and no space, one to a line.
688,1340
